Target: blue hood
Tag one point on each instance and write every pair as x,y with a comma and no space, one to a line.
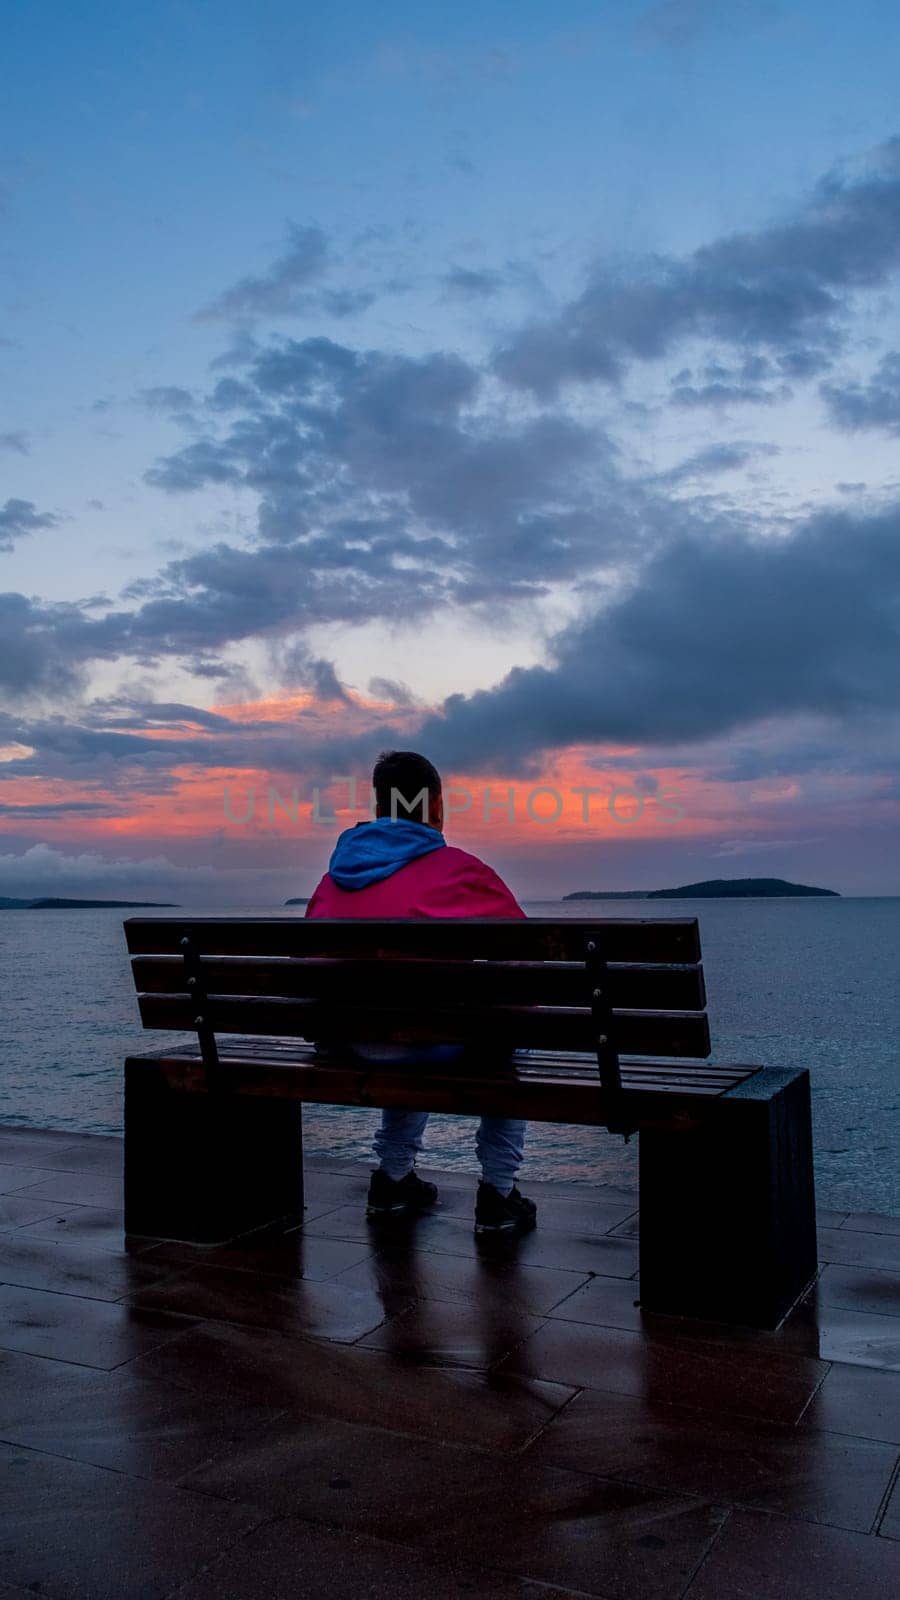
375,850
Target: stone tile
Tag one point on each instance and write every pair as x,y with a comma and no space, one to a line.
739,1379
15,1177
293,1558
605,1539
99,1227
35,1147
871,1222
436,1333
326,1191
79,1188
274,1253
766,1558
795,1471
75,1531
606,1255
833,1334
606,1303
830,1219
401,1275
70,1267
287,1305
629,1228
90,1152
584,1253
858,1249
621,1195
431,1231
890,1525
859,1289
857,1400
91,1332
495,1410
585,1218
114,1420
17,1210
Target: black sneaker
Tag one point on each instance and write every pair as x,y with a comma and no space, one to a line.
497,1213
403,1196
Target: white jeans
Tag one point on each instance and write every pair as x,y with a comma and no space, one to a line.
499,1142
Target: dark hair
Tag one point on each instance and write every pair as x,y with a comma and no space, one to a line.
406,774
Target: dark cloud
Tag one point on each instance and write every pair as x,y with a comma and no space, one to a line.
167,398
756,381
716,458
782,290
717,634
18,518
875,404
346,302
393,693
678,24
16,442
385,490
43,647
274,293
42,810
471,283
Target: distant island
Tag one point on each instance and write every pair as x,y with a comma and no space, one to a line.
710,889
53,903
301,900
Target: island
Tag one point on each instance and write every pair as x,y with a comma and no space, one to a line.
301,900
54,903
711,889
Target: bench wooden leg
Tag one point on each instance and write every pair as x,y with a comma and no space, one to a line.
727,1209
207,1167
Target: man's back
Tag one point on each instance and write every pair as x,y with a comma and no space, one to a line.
403,868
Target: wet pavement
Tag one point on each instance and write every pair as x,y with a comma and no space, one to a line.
350,1411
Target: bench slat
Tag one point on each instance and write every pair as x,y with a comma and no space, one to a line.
668,939
671,1033
648,988
553,1099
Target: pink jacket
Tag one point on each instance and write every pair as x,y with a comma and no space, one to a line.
445,883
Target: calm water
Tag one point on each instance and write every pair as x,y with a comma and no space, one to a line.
811,983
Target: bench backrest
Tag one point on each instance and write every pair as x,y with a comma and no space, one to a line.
624,986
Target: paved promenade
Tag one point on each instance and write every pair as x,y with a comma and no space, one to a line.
354,1415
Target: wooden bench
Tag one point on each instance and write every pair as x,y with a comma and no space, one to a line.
613,1013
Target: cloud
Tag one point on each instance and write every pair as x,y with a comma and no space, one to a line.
44,646
716,458
17,442
680,23
42,810
18,518
875,404
386,489
167,398
43,870
274,293
781,290
716,634
393,693
756,381
470,283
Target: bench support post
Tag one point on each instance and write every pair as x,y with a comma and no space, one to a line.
207,1167
727,1207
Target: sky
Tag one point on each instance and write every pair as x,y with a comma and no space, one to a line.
517,383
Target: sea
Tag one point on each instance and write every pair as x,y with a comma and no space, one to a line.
794,983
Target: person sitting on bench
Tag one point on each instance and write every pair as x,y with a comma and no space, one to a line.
399,867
